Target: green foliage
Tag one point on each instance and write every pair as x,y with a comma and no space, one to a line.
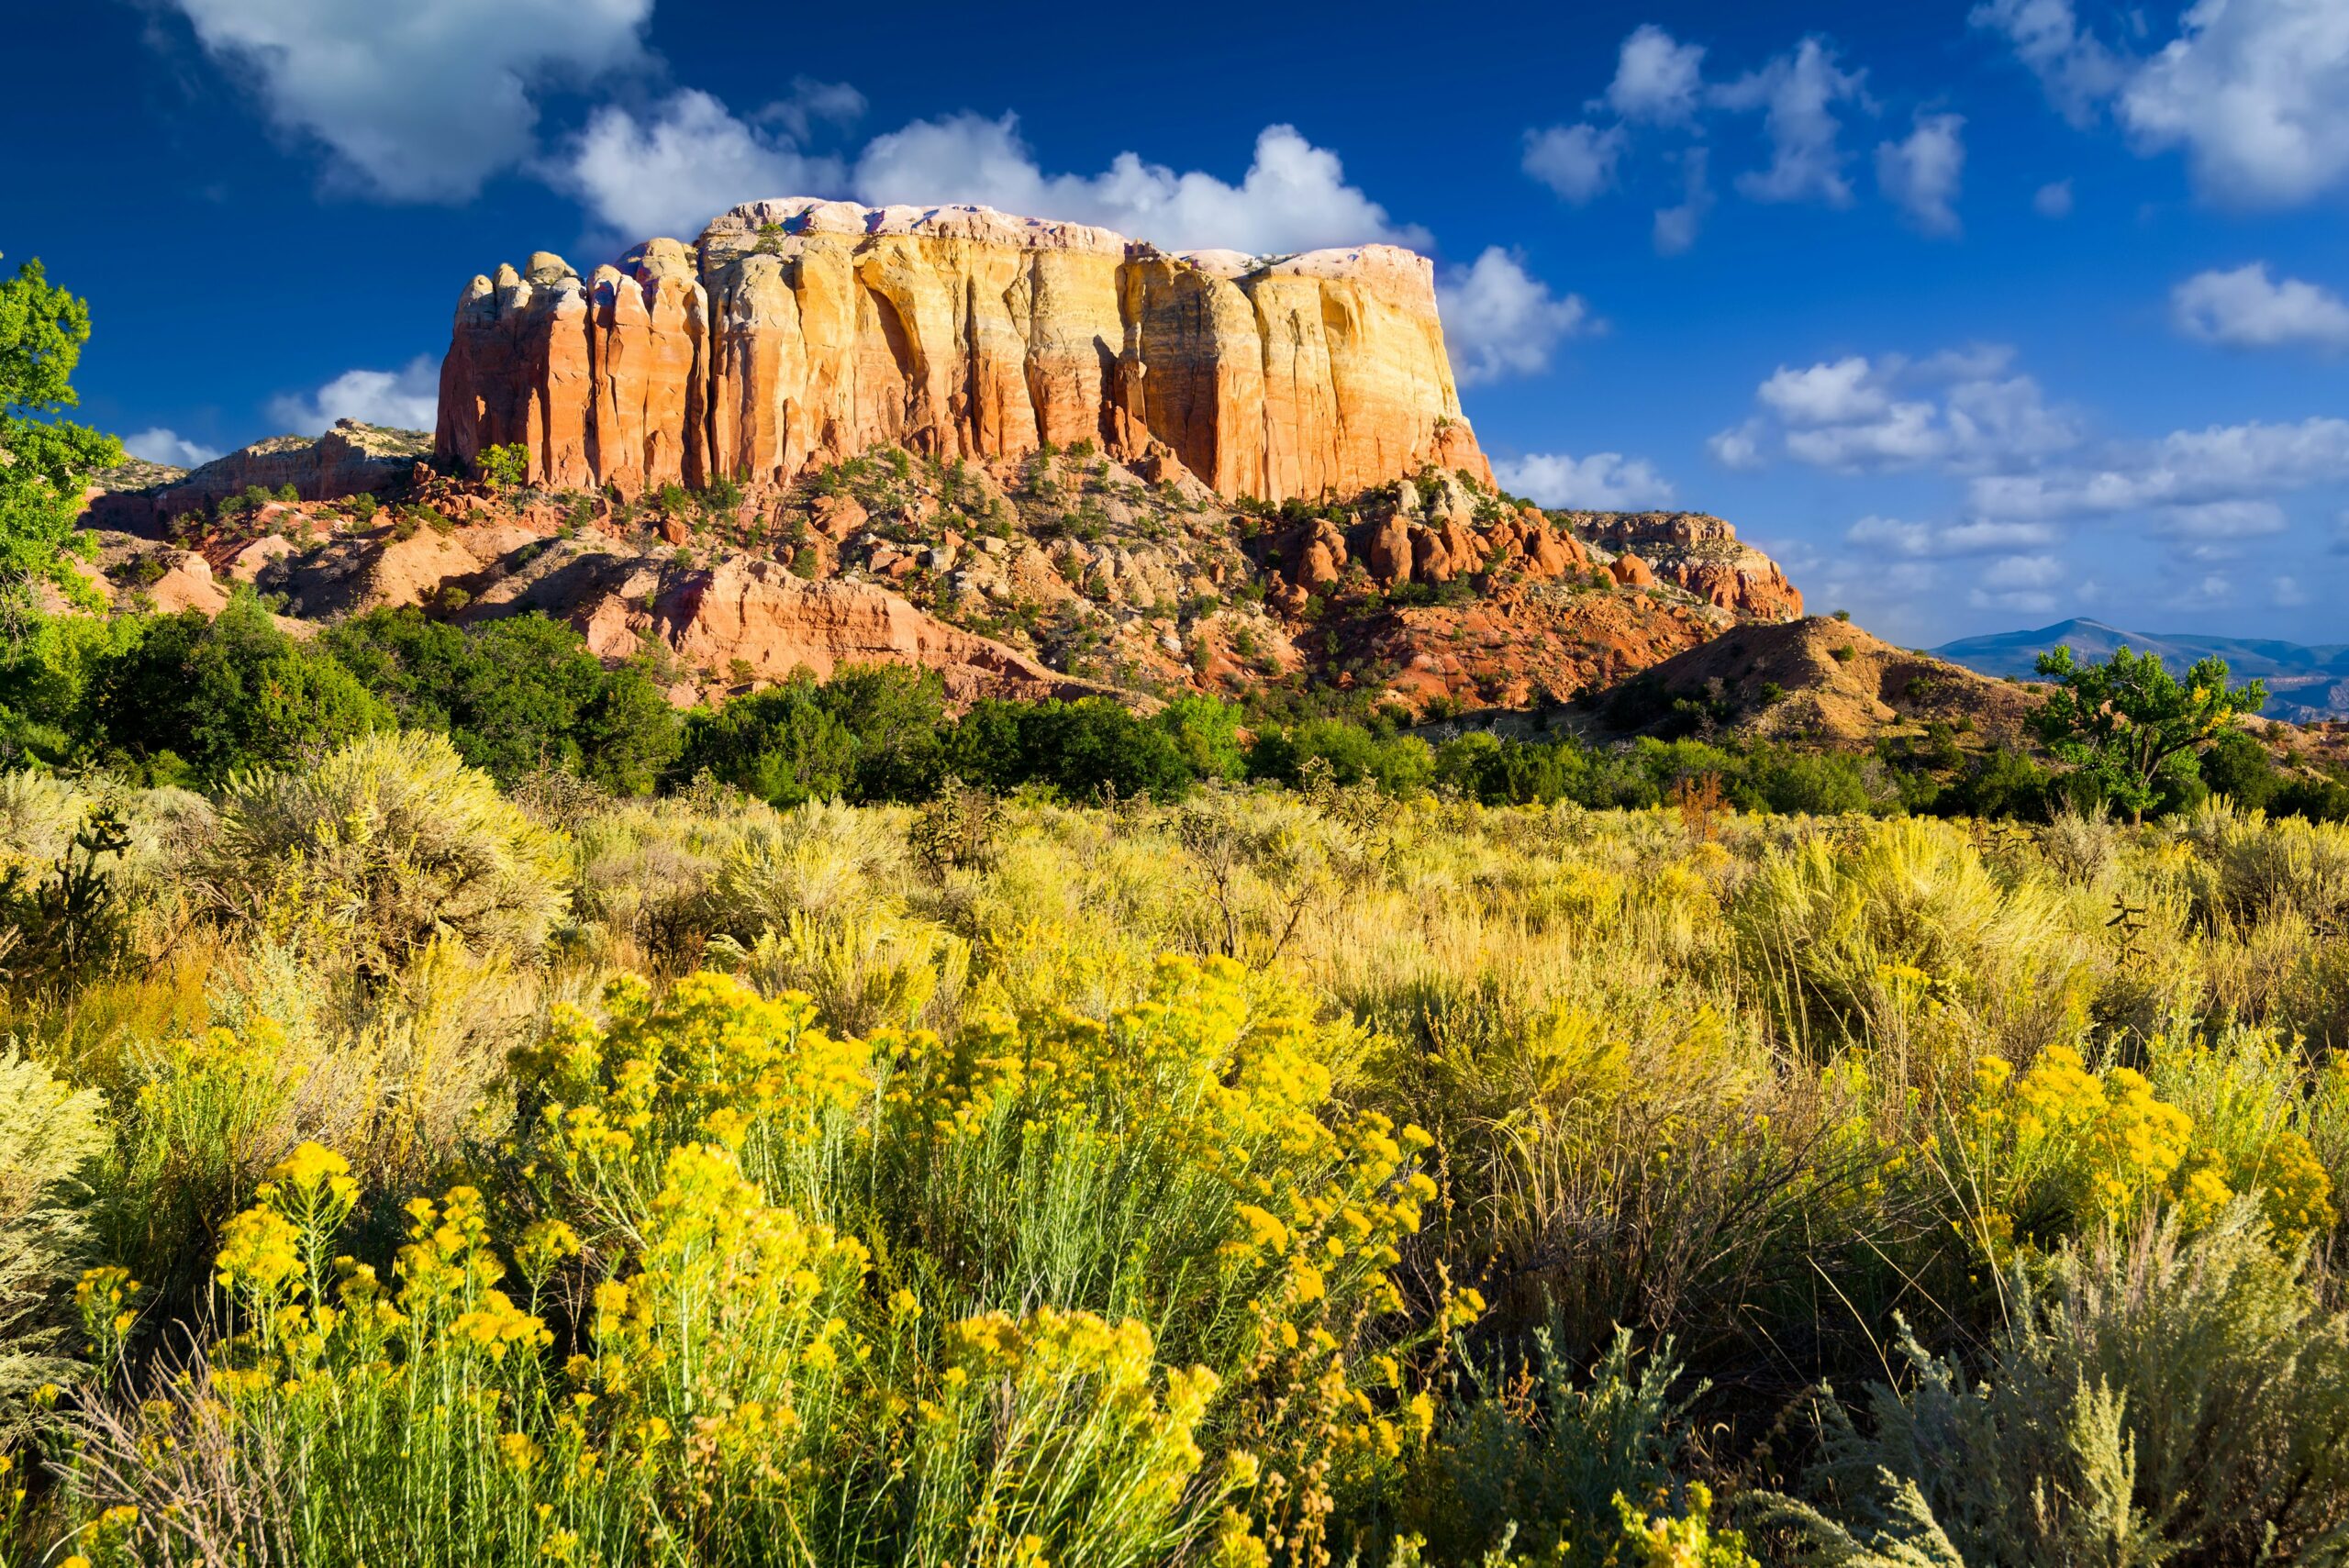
1206,735
48,1133
1398,763
2151,1399
503,467
45,678
2238,767
1531,1460
515,694
871,733
1083,750
2126,723
47,459
206,697
386,846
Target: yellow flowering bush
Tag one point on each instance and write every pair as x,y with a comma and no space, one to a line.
2047,1152
712,1060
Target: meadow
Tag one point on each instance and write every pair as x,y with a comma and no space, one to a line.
395,1168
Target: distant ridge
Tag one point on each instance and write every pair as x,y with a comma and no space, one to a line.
2304,683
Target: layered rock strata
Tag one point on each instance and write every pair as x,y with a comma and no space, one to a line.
800,332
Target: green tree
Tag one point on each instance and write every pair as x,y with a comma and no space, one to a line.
207,696
45,461
2127,722
1206,732
780,744
503,468
516,693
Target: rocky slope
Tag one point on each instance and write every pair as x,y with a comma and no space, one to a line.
1061,574
798,333
348,460
1816,680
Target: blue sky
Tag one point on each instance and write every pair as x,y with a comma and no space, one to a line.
1977,314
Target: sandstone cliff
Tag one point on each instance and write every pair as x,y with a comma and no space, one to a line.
798,333
349,459
1696,552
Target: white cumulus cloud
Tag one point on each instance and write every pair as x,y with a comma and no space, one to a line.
1677,227
1965,410
161,445
2077,69
1890,535
2053,199
2248,308
1797,94
1603,481
418,100
1294,196
405,399
2184,469
687,161
1575,161
1921,174
2254,92
1500,320
1657,79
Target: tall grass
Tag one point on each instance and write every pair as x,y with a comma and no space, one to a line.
688,1181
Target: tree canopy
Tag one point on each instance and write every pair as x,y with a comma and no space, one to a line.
2128,723
45,461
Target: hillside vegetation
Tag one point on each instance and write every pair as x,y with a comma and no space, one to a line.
401,1170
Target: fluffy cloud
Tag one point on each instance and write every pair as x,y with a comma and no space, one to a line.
1575,161
159,445
812,104
1921,174
2053,199
1656,80
2246,309
2184,469
686,162
1738,447
1500,320
1890,535
2079,72
1798,94
424,99
2255,92
1293,197
1957,410
1603,481
405,399
2221,520
2020,582
1676,227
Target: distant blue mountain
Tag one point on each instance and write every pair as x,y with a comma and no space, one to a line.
2304,683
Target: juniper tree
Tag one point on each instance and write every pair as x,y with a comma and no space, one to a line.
45,461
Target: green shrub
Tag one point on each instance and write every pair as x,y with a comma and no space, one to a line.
2151,1399
385,846
503,467
515,694
1530,1460
48,1133
215,695
871,733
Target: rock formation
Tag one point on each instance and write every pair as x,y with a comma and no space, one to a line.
1696,552
349,459
800,332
